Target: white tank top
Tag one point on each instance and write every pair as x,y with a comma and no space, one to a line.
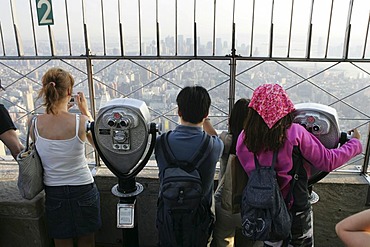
64,161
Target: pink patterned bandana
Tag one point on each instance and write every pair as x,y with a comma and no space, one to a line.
271,102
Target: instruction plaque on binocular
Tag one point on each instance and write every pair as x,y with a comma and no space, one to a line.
125,215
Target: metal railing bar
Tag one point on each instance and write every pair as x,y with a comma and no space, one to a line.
95,79
363,124
214,28
255,65
195,29
121,33
252,29
305,79
360,68
73,66
219,84
34,111
86,35
271,29
103,26
215,58
300,59
314,84
158,76
329,27
242,83
18,106
68,28
245,85
220,110
78,69
23,75
101,82
290,28
349,95
211,65
233,19
33,29
157,29
51,39
90,86
110,87
83,12
354,119
231,97
176,42
16,32
309,36
164,115
367,153
2,39
221,121
366,36
139,10
106,66
348,30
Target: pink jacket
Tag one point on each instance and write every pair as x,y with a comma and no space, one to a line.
317,154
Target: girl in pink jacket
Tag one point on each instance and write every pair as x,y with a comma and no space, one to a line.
269,127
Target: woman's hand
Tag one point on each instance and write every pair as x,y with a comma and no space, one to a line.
81,102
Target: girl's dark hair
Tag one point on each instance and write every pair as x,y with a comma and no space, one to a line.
258,137
55,85
236,121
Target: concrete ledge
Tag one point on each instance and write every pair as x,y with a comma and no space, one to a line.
22,222
340,195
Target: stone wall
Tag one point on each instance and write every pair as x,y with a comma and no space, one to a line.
22,222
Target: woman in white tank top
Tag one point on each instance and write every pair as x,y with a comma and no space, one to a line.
72,201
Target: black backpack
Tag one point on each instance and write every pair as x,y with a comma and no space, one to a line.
264,213
184,217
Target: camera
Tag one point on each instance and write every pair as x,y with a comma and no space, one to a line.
73,100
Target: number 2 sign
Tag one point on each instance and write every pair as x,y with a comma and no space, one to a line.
44,12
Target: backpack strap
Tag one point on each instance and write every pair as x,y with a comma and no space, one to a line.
168,155
295,175
195,160
295,178
257,164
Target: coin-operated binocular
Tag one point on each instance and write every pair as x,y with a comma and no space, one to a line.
321,121
121,136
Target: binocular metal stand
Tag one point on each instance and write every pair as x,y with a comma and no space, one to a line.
127,190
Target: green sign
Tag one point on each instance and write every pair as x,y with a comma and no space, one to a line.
44,12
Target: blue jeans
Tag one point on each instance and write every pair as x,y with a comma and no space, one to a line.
72,211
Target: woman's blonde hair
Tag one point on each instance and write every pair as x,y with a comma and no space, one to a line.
55,85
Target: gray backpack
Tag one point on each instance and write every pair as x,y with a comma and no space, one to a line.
184,217
265,215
